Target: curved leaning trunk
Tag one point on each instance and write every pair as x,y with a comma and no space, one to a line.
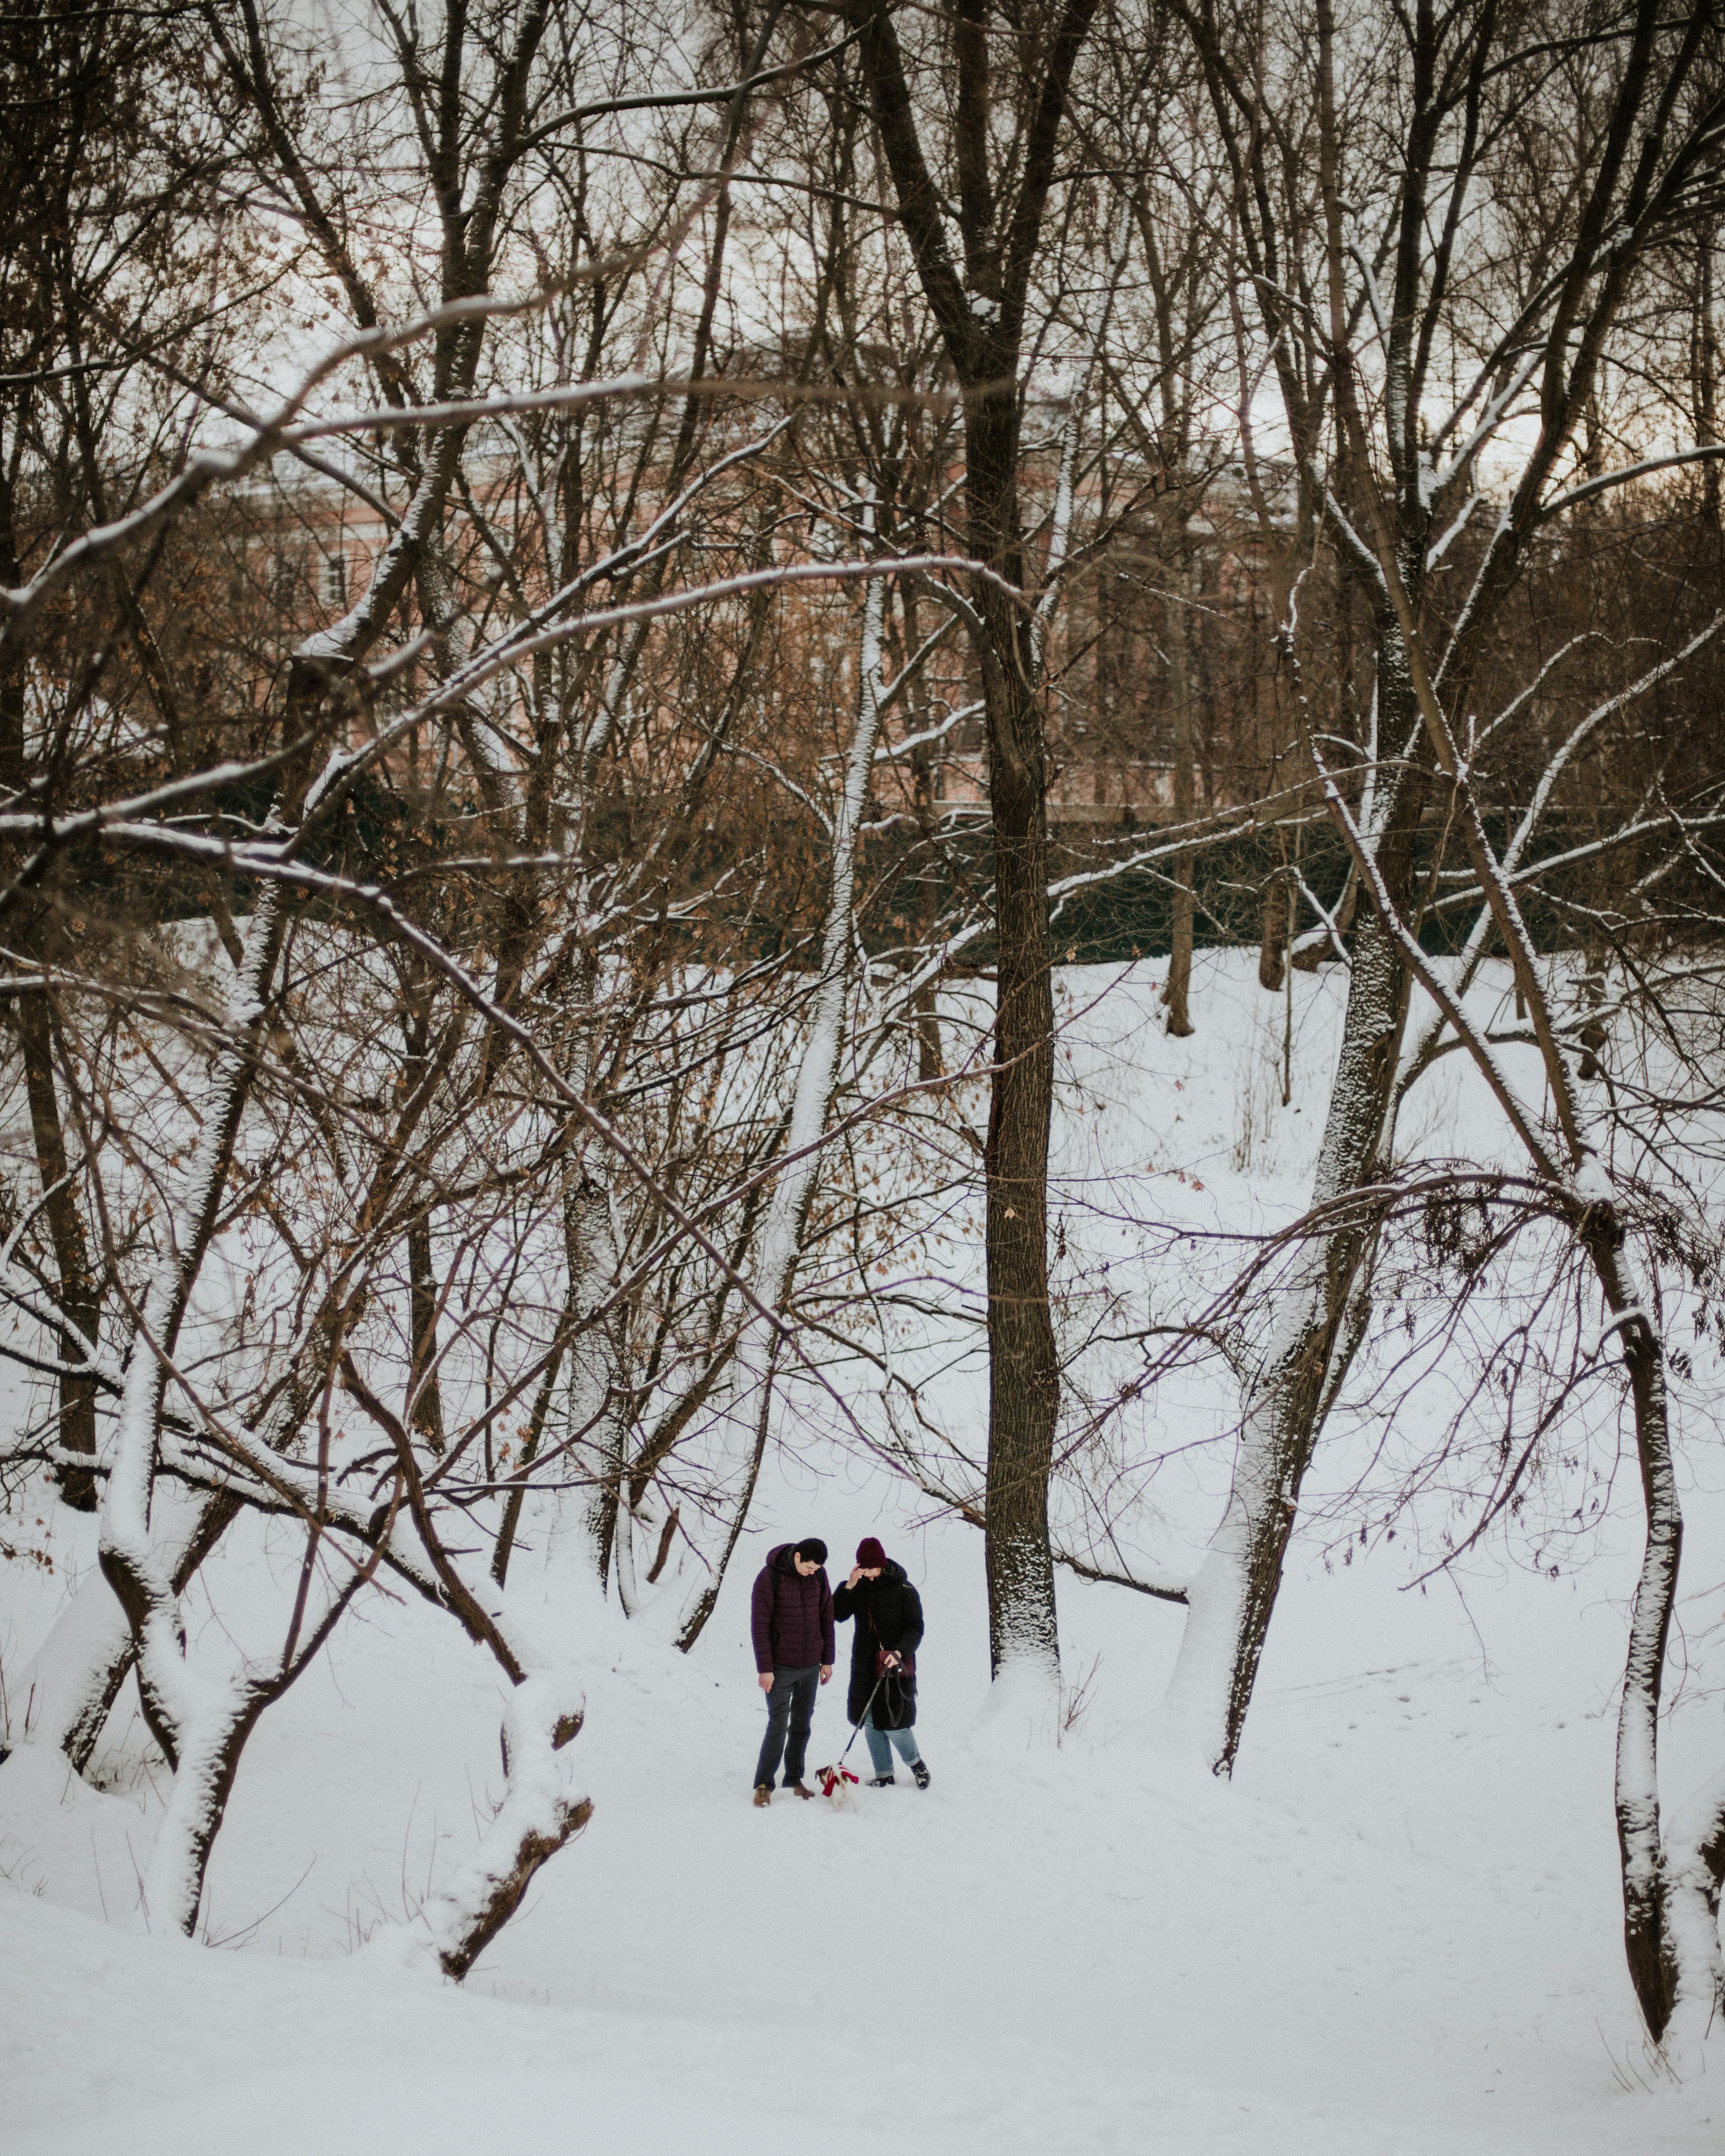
541,1811
1665,1962
1232,1596
68,1685
1646,1940
60,1700
1670,1878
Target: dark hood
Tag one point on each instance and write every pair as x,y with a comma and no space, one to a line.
790,1613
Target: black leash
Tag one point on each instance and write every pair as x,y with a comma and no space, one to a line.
831,1777
856,1726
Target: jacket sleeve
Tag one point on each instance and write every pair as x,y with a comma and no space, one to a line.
760,1619
828,1644
910,1638
845,1602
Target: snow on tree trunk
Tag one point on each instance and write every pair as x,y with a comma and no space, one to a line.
1651,1948
1693,1868
595,1383
1232,1596
541,1811
63,1697
194,1716
594,1388
1654,1946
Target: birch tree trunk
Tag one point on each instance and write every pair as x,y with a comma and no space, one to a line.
1671,1957
1649,1944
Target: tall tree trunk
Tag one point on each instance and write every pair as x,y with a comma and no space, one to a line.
1704,370
425,1392
930,1062
1180,686
75,1292
981,310
597,1422
427,1415
1233,1595
1024,1367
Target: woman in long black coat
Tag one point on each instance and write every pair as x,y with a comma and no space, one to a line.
888,1612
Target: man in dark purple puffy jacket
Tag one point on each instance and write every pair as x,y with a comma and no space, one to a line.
791,1617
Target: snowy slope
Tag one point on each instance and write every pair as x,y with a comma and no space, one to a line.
1398,1930
1396,1933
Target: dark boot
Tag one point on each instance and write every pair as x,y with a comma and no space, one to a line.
880,1781
919,1768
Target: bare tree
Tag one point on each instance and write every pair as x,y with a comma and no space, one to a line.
994,83
1374,276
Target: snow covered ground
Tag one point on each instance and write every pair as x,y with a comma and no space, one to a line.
1397,1930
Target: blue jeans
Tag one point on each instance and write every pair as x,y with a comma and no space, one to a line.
883,1742
791,1701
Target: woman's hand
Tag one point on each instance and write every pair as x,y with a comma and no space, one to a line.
855,1575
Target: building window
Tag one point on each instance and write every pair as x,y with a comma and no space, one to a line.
335,580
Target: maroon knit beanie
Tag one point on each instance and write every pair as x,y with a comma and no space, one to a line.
870,1555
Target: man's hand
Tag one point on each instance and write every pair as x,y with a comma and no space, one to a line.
893,1662
855,1575
766,1679
826,1672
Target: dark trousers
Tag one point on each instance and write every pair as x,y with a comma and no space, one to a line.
791,1701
